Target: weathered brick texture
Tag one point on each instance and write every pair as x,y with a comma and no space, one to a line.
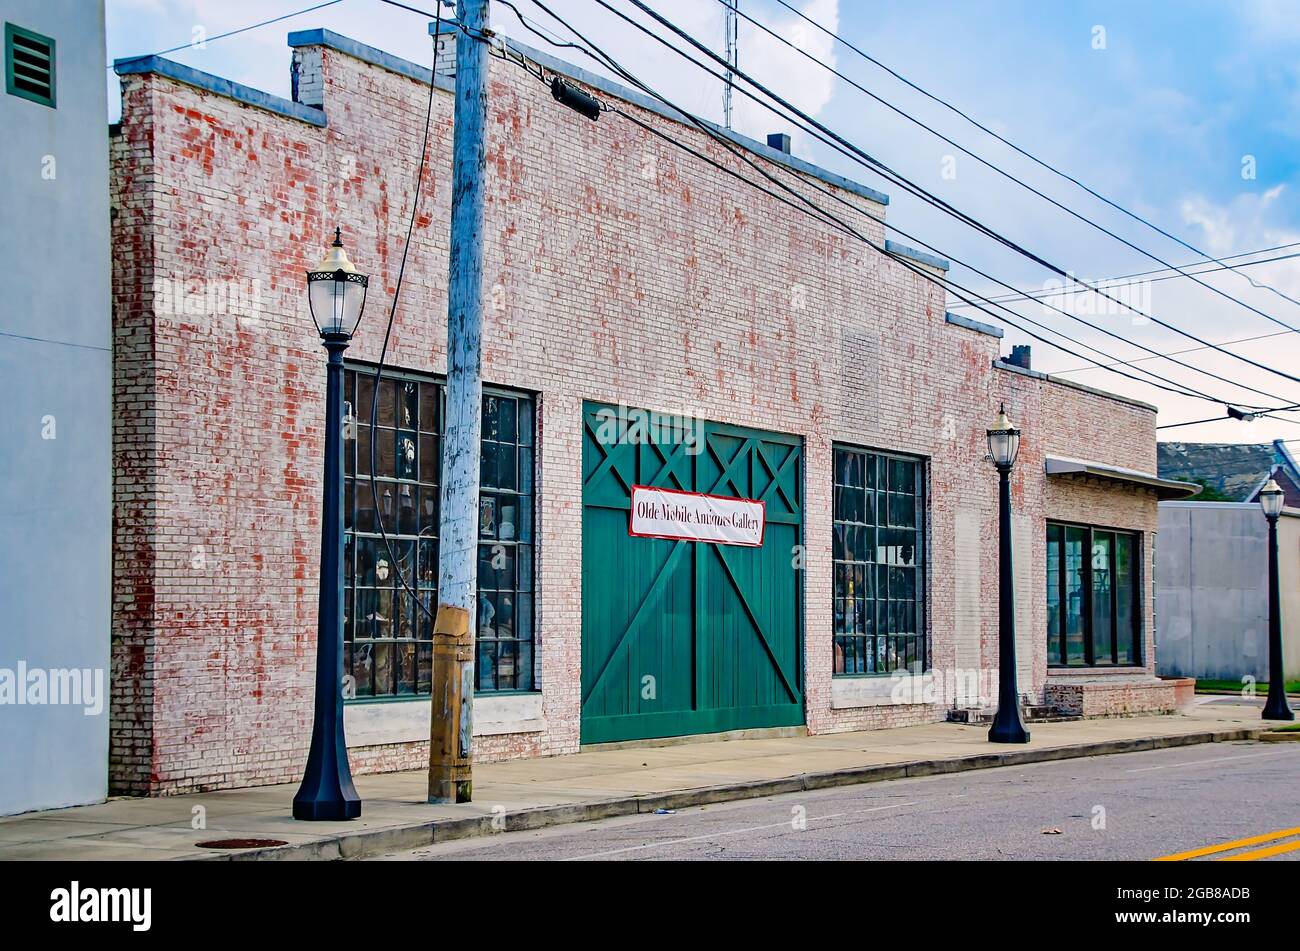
618,269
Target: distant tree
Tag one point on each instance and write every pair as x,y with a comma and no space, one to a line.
1209,493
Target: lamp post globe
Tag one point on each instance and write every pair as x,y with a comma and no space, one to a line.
1271,500
1004,446
336,297
1004,440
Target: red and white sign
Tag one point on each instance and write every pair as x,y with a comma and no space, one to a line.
696,517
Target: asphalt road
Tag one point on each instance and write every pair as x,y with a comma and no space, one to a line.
1130,806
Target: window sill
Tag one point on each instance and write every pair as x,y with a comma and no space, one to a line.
855,691
406,720
1087,673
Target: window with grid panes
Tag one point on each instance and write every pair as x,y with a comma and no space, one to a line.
879,563
1093,597
387,633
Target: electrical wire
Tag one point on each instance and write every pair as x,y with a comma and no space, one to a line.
896,229
222,36
1219,419
392,313
1010,177
1033,158
862,157
818,213
1121,279
1182,389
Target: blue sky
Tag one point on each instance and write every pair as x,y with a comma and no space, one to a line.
1158,105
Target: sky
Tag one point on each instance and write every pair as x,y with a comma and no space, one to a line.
1184,112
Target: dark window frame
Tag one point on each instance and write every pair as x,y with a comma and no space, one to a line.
920,660
13,30
422,541
1137,562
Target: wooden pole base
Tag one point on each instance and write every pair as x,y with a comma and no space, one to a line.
451,729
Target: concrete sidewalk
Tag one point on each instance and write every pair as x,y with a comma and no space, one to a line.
526,794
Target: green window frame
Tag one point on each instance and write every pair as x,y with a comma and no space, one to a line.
1094,596
879,563
31,66
388,647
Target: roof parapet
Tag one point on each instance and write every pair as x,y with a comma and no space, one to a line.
958,320
921,257
158,65
1001,364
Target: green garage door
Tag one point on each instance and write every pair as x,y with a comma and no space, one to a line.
683,637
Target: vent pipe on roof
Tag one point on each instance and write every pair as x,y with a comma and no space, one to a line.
1020,356
779,141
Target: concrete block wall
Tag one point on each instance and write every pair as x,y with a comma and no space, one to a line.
1212,614
55,382
618,269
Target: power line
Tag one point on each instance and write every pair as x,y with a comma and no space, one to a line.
822,215
1051,168
1219,419
425,13
862,157
1207,268
212,39
1183,389
1010,177
818,213
1223,343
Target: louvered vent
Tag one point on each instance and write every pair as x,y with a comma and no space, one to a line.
29,65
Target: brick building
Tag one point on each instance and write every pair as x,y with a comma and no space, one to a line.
623,275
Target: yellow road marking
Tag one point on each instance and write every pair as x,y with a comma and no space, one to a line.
1229,846
1261,853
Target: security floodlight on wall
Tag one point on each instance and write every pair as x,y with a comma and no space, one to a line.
1004,440
1271,499
336,293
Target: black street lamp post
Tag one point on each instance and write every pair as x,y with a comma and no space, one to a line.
1270,500
337,296
1004,444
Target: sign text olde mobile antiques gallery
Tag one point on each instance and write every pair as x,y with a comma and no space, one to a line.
695,516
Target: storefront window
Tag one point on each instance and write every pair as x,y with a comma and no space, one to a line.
1054,615
878,563
387,634
1092,599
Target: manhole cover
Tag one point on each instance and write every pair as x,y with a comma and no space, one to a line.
240,843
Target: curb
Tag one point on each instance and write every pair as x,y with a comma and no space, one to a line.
379,841
1281,736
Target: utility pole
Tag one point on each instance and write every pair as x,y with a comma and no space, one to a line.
451,727
733,57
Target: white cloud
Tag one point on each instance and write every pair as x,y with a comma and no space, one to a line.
1238,225
1272,21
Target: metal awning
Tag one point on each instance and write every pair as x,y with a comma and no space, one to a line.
1164,488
